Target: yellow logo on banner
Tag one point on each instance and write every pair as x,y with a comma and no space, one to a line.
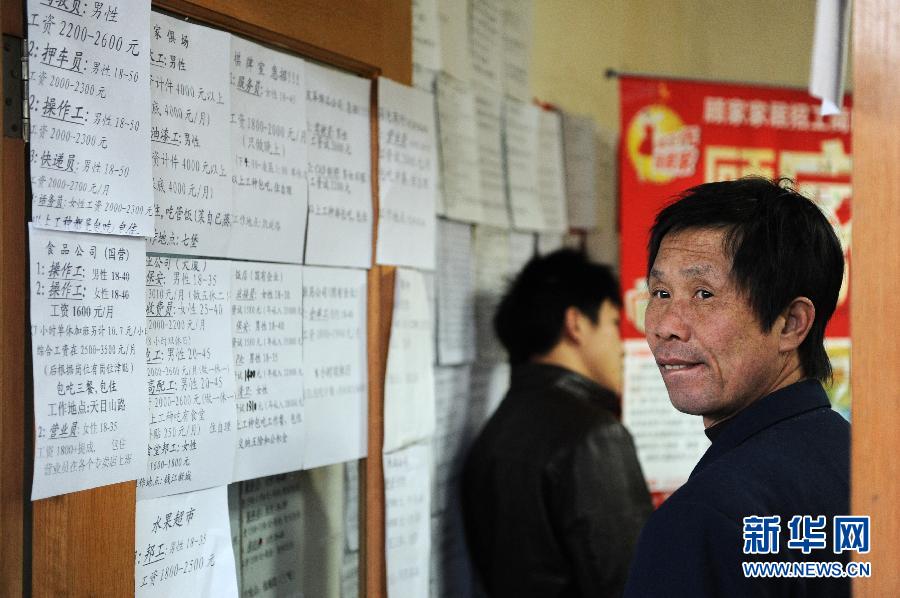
660,146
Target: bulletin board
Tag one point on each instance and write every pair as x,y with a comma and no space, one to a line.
82,543
234,191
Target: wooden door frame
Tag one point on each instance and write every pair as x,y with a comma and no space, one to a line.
875,284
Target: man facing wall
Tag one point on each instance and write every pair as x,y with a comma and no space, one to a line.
553,494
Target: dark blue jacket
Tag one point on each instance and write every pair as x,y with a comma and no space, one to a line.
786,454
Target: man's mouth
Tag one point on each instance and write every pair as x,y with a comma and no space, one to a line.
676,365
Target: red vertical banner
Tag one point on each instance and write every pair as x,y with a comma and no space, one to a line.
678,134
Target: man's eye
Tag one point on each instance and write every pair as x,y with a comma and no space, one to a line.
703,294
660,294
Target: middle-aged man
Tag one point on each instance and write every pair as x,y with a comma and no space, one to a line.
553,494
743,277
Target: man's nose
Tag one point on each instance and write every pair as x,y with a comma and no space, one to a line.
671,322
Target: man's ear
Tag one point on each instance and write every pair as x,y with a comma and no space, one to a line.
798,319
573,326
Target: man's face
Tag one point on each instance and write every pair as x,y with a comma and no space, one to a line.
708,344
602,348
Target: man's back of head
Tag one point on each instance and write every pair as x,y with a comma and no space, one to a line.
563,309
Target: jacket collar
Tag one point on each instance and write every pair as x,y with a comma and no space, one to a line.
782,404
528,377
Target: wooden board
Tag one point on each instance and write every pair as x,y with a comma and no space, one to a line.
14,402
380,302
84,543
875,280
357,36
372,519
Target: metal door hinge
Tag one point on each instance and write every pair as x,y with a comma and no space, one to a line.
15,88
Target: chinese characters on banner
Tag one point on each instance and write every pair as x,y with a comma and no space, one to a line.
678,134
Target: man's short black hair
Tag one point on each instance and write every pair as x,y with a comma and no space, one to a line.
530,317
781,247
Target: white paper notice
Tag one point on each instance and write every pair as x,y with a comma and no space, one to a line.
88,340
520,126
334,365
603,242
351,505
340,186
603,246
517,37
407,489
669,443
486,43
521,250
272,516
90,104
459,150
451,569
407,187
350,575
426,34
431,293
234,518
580,151
268,145
452,387
454,32
409,378
190,137
491,248
439,207
190,376
182,546
488,112
490,381
607,183
455,293
323,533
550,242
424,79
551,183
267,336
